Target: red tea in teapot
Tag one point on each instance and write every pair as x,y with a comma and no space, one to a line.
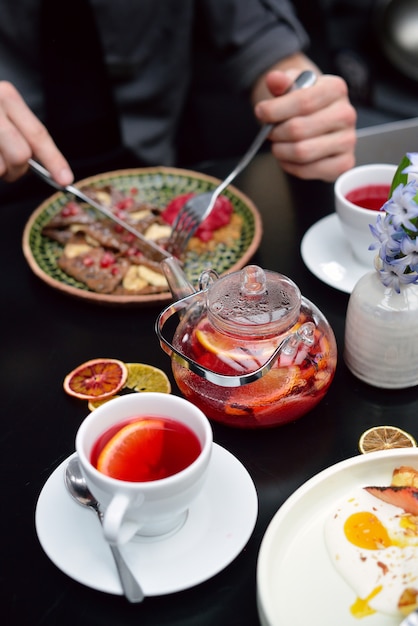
249,350
145,449
290,389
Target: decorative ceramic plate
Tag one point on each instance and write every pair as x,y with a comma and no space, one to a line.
157,186
297,582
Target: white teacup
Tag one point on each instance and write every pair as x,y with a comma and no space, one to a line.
152,508
355,220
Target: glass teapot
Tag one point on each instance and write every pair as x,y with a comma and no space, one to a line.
249,349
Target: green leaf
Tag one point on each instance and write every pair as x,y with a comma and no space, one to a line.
399,177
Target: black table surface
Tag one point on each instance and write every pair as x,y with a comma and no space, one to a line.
46,333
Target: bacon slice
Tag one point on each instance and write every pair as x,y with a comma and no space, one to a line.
405,498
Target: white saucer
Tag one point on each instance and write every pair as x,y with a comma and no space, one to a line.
327,255
218,526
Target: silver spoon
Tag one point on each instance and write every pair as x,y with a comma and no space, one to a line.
76,485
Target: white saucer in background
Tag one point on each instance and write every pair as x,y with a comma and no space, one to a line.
327,255
218,526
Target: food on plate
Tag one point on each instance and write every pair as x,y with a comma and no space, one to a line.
385,438
219,218
96,379
101,270
404,497
402,491
373,543
108,259
405,476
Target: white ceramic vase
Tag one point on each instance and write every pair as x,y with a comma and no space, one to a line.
381,333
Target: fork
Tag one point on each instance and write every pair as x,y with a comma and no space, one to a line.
197,208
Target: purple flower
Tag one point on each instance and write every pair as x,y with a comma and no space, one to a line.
409,247
413,168
402,207
393,276
387,235
396,232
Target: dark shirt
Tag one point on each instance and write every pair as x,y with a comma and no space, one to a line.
155,52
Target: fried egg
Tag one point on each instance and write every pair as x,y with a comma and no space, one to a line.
374,546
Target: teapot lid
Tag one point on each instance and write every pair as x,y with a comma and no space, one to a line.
253,301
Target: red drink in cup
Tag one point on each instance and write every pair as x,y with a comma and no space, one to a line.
145,448
369,196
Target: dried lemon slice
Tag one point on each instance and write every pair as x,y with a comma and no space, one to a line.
143,377
94,404
385,438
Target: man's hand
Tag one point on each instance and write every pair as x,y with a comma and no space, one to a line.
314,135
22,135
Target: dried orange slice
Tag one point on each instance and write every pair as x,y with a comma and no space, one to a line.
385,438
143,377
134,451
96,379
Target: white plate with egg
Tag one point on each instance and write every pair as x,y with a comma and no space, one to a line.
306,560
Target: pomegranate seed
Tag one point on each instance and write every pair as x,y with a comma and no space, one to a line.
124,204
71,208
132,251
88,261
107,259
120,213
129,238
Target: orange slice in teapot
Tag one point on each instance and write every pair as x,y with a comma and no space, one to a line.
277,383
228,349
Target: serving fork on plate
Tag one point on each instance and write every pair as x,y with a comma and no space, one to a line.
197,208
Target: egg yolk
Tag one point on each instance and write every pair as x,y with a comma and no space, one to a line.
361,607
365,530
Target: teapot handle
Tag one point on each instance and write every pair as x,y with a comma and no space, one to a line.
304,334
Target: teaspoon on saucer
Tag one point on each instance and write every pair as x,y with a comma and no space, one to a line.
77,487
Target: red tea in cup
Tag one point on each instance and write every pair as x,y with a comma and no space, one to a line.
369,196
144,449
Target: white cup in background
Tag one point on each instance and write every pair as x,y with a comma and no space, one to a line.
355,220
152,508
